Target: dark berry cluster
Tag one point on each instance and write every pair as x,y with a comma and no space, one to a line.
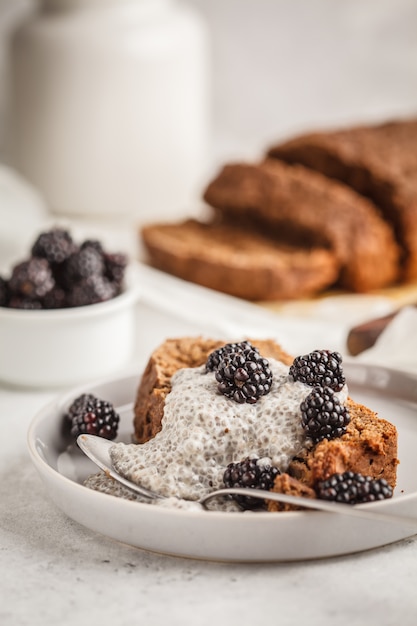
353,488
249,473
4,291
321,367
241,372
60,273
323,416
213,360
92,416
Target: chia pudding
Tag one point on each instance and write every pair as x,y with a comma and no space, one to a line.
203,431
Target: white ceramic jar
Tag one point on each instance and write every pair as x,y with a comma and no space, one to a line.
111,106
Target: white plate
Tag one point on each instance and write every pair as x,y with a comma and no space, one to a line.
229,536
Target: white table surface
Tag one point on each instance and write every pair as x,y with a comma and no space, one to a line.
54,571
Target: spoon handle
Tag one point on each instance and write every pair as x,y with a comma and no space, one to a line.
313,503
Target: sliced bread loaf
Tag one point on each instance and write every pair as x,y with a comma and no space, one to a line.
299,205
379,162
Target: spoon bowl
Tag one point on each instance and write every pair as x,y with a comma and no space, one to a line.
98,450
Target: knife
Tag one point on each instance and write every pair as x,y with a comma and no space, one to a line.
364,335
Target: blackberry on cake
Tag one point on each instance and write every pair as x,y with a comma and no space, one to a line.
243,375
214,359
321,367
353,488
250,474
323,416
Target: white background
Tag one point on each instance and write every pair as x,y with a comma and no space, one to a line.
282,66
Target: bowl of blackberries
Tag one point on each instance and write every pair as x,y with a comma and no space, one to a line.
67,312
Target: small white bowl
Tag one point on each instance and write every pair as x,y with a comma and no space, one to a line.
60,347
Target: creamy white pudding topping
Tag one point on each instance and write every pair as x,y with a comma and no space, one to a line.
203,431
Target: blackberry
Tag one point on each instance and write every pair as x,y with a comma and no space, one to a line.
91,290
55,246
55,299
61,274
79,404
21,302
93,243
244,375
84,263
322,415
321,367
31,279
4,292
213,360
353,488
251,474
114,268
90,415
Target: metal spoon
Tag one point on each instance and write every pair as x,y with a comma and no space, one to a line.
97,449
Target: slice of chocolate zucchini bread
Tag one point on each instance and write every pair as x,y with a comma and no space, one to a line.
378,161
298,205
240,262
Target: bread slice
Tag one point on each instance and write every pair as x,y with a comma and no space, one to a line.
378,161
369,445
239,262
300,205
